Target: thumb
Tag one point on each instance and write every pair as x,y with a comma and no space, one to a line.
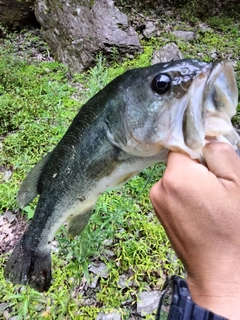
222,160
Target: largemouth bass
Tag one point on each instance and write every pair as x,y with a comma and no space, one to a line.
129,125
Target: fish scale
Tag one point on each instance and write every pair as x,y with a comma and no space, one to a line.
129,125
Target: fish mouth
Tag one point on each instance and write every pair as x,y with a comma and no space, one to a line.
213,99
221,92
220,99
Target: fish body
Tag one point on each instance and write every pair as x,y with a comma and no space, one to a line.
130,124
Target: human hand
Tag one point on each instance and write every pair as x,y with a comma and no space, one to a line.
199,207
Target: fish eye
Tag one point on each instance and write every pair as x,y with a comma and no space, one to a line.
161,83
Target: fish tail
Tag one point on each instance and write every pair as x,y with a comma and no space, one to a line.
29,267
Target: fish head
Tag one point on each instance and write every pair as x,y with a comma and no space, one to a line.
175,105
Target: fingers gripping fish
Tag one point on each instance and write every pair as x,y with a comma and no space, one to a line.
130,124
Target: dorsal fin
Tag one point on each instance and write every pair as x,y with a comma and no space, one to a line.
28,190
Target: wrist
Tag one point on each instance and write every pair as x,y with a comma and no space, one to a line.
221,297
182,306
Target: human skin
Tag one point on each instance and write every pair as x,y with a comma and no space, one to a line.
199,207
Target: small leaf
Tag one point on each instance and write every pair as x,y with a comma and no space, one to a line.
29,211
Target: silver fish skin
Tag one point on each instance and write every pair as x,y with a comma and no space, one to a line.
130,124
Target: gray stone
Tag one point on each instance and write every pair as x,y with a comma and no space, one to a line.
184,35
109,316
172,257
124,281
6,315
167,53
204,27
9,216
89,302
94,281
147,302
213,53
108,253
150,29
7,175
100,269
107,242
77,31
3,306
127,302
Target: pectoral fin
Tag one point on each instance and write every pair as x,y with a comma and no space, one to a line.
28,189
78,223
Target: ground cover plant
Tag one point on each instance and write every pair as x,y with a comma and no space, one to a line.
38,100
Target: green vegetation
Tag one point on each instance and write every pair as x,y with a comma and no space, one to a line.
188,10
38,100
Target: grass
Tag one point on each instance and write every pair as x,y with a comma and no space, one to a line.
37,103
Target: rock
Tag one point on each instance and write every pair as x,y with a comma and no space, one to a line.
213,53
3,306
89,302
76,31
167,53
94,282
7,175
147,302
149,30
204,27
108,253
9,216
184,35
107,242
109,316
127,302
15,14
6,315
124,281
99,269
